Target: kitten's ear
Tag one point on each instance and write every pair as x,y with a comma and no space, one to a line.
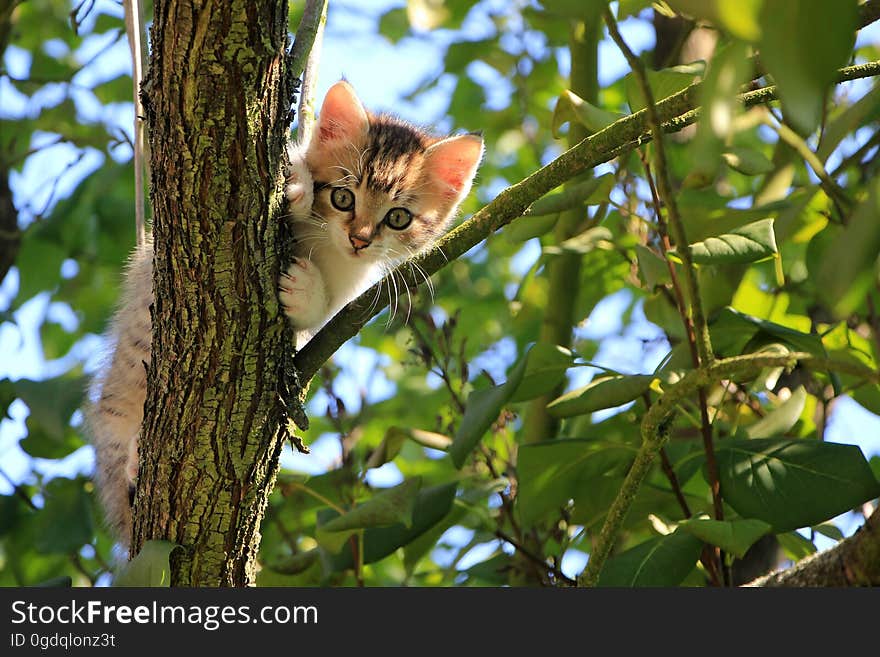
451,164
342,117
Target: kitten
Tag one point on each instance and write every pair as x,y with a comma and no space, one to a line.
384,191
366,193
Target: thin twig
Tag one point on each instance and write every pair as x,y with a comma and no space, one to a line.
134,27
831,188
709,556
534,558
21,492
702,340
664,188
304,58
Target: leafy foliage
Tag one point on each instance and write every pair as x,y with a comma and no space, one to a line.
435,478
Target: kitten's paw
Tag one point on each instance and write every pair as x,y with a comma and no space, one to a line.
298,185
302,294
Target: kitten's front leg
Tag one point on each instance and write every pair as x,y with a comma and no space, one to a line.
303,294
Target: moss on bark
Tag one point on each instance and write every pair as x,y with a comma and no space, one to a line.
217,98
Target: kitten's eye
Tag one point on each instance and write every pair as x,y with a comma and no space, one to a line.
342,198
398,218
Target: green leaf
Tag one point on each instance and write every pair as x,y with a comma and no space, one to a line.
571,107
734,536
802,45
830,530
661,561
7,396
418,547
549,472
495,571
60,582
750,243
388,507
545,369
394,439
734,333
584,9
738,17
388,449
793,483
663,83
52,69
587,192
847,269
64,524
431,506
11,509
581,244
297,563
728,69
115,90
652,267
748,161
626,8
781,419
591,503
795,546
51,404
603,392
865,110
39,266
44,445
150,568
394,24
525,228
483,407
106,22
56,340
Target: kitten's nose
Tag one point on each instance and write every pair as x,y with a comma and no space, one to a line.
359,243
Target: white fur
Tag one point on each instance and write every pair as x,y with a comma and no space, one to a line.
325,274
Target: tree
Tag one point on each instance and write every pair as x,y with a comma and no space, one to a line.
748,244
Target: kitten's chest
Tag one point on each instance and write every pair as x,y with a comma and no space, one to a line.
344,277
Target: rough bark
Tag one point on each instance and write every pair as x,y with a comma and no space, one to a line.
217,97
855,561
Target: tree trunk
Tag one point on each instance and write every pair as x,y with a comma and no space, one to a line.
217,98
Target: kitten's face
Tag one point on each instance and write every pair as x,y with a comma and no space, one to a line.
385,189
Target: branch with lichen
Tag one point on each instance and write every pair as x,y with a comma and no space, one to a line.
855,561
656,422
674,113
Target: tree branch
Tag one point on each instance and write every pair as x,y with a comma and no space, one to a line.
621,137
